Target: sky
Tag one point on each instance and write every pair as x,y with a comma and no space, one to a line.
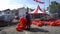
14,4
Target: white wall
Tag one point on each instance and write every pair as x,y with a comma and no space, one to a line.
22,12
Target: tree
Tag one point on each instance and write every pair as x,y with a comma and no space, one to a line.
54,7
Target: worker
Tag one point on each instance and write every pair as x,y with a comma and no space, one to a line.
28,21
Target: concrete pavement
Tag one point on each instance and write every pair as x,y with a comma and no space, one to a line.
34,30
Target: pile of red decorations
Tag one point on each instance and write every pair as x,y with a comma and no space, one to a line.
42,23
22,24
38,23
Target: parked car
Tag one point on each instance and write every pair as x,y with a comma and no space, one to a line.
6,19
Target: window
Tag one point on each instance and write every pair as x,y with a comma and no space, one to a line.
6,12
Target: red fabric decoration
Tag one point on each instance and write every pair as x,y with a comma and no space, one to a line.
22,24
36,0
39,1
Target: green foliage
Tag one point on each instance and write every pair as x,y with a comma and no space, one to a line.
54,7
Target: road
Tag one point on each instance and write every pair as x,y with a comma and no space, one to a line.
34,30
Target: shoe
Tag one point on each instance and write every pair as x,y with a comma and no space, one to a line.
27,29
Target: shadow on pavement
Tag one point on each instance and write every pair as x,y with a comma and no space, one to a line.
20,31
38,30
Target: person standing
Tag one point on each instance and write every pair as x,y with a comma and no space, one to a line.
28,21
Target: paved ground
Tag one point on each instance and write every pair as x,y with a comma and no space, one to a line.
34,30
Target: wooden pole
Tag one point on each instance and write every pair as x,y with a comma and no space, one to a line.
49,5
27,9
